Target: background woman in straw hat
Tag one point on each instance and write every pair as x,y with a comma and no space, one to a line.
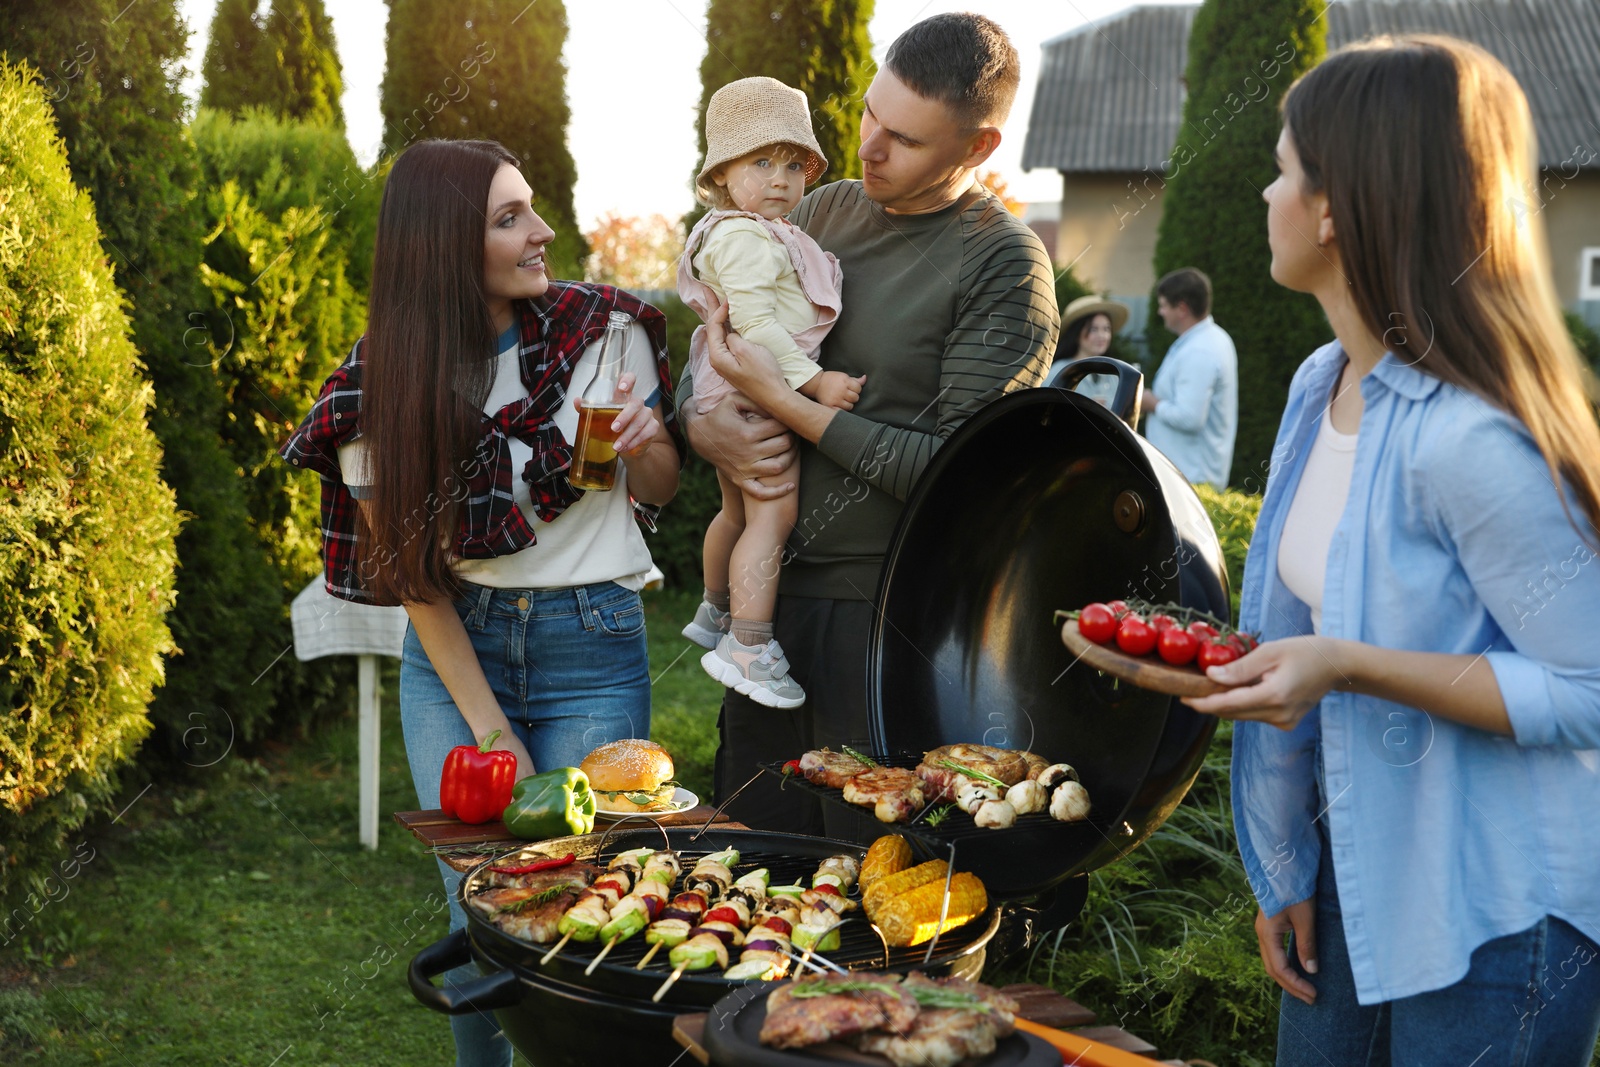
782,292
1087,326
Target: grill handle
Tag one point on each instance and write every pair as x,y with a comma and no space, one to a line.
502,989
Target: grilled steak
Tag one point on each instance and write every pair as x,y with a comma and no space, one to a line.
943,1037
795,1022
893,793
829,768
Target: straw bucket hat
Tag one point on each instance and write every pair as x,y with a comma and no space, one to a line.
752,113
1094,305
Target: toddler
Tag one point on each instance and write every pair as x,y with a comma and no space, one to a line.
782,293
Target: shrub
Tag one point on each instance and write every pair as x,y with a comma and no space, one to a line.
110,72
86,526
1243,55
1586,340
276,254
1234,515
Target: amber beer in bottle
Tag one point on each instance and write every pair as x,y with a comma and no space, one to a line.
594,454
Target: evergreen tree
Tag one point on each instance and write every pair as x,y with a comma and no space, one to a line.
87,525
820,47
239,70
489,69
113,85
309,77
1243,55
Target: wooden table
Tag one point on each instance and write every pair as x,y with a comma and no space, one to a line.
1039,1006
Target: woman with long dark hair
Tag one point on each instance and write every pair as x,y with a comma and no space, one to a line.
1415,774
444,442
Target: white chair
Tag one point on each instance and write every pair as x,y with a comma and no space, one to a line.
324,625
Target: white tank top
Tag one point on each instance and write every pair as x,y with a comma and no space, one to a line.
1318,503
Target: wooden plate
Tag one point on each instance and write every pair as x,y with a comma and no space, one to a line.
1146,672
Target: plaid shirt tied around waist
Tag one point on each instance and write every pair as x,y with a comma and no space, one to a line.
555,330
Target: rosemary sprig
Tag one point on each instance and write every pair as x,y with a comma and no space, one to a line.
858,757
937,816
831,986
534,901
952,765
937,997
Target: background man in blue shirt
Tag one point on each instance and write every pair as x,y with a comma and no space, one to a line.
1192,407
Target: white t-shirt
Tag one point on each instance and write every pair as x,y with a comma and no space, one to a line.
597,538
1318,503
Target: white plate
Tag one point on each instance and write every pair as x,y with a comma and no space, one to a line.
682,801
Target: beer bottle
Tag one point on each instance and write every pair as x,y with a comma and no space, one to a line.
594,454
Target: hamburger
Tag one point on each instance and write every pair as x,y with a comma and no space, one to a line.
629,776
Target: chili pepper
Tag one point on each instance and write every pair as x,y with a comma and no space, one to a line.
555,803
541,865
476,783
791,768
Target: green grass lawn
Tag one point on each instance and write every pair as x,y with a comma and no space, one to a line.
237,920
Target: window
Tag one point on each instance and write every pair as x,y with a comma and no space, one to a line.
1589,274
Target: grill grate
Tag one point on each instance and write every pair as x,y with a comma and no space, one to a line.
860,948
993,855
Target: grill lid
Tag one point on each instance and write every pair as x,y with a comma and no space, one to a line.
1043,500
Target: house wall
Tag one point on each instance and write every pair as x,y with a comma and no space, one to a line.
1572,223
1108,228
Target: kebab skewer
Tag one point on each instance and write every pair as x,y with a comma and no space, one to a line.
706,944
638,909
583,920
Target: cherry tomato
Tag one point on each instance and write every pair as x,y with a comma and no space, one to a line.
1215,654
1177,646
1162,622
1135,636
1119,607
1236,641
1202,630
1098,623
1243,642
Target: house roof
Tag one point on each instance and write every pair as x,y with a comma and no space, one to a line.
1110,95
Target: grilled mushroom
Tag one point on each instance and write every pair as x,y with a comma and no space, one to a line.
995,815
1070,802
1055,774
970,795
1025,797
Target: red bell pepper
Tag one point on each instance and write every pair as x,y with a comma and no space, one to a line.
476,784
539,865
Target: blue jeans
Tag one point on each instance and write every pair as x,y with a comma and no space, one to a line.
1529,999
571,671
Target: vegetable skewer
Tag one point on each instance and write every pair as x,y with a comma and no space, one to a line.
635,911
583,920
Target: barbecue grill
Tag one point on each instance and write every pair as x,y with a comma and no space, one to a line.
1043,500
553,1012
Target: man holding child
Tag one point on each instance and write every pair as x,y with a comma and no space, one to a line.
948,304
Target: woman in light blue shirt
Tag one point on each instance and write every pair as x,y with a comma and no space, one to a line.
1416,779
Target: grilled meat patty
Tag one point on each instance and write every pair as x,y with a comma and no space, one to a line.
795,1022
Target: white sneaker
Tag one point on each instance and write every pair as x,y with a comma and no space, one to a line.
760,672
708,625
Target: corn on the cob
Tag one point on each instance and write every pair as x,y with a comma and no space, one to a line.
913,917
888,855
893,884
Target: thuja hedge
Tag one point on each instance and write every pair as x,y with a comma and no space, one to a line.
86,525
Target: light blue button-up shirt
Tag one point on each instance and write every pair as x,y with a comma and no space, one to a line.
1443,837
1198,417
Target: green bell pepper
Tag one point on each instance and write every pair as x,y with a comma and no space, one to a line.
556,803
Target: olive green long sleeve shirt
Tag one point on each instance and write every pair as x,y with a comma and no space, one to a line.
944,313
